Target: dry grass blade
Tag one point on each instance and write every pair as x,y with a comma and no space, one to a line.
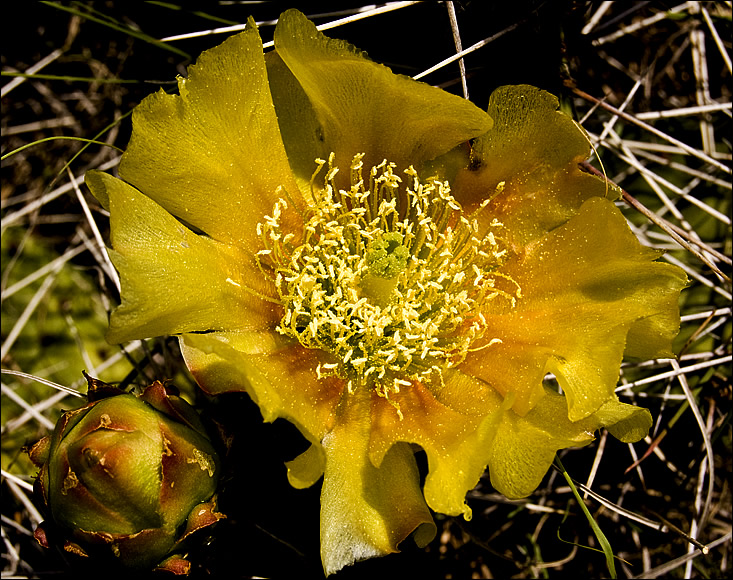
30,71
41,380
672,565
702,155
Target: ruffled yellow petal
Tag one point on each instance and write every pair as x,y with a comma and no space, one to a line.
464,426
367,511
524,447
453,422
279,376
651,337
278,373
626,423
213,156
174,280
365,108
584,285
307,468
528,165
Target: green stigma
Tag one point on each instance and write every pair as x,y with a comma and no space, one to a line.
389,278
387,257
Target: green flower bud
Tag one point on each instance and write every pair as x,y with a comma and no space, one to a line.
128,475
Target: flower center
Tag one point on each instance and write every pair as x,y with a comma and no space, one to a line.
391,280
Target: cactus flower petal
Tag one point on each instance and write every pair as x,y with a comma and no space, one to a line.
584,285
215,149
354,100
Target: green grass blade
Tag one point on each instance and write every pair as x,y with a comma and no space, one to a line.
65,78
91,142
119,27
602,540
204,15
62,137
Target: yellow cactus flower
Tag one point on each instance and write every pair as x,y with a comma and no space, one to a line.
389,268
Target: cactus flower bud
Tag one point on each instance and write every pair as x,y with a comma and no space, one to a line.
129,475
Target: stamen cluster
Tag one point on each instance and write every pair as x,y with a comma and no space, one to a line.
391,281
